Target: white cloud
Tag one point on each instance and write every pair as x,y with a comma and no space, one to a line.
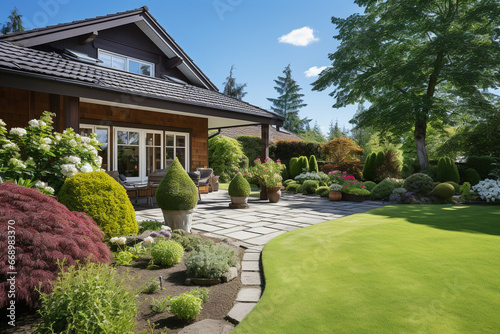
299,37
314,71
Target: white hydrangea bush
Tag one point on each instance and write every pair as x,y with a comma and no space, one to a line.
46,157
488,189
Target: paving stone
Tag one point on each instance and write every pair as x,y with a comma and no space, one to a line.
250,256
261,230
249,295
250,265
206,227
208,326
262,240
240,311
250,278
242,235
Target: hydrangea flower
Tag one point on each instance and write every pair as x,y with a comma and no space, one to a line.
68,170
46,140
86,168
73,159
488,189
17,163
12,146
44,147
18,131
34,123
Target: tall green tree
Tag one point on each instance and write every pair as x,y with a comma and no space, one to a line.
15,23
415,61
231,88
289,102
314,134
334,131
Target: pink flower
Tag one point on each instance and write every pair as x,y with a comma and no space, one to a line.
345,186
363,187
265,170
266,159
344,172
258,159
278,161
352,182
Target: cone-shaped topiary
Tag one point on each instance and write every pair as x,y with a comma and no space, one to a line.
102,198
447,170
239,187
369,168
45,232
444,191
294,167
313,164
176,190
303,163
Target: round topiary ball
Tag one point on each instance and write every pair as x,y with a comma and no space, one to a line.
45,232
419,183
323,191
239,187
309,187
167,252
455,185
383,189
176,190
102,198
444,191
293,188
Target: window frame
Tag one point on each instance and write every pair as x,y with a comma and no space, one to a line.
127,60
186,147
93,128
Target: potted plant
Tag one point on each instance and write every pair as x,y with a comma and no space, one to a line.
355,193
239,190
335,192
268,174
177,196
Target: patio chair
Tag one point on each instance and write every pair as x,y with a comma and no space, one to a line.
121,179
195,176
154,180
205,176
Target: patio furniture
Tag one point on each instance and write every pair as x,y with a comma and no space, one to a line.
121,179
154,180
205,176
195,176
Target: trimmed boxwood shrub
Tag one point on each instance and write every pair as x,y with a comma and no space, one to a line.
482,164
294,167
239,187
176,190
383,189
444,191
303,164
323,191
472,176
226,157
293,188
46,232
369,167
447,170
419,183
313,164
102,198
167,252
286,183
309,187
88,299
455,185
287,149
369,185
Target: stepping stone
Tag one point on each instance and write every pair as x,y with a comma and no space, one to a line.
250,278
249,295
250,256
250,266
208,326
239,312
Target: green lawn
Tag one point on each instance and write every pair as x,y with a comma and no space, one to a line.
398,269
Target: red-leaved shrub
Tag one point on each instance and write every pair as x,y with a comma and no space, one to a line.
42,231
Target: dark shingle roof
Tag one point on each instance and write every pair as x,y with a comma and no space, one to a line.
53,65
255,130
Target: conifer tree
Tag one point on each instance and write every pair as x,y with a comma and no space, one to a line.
231,88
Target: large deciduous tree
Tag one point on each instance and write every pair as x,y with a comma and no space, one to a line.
289,102
415,61
231,88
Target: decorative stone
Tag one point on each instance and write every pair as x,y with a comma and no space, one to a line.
239,312
229,275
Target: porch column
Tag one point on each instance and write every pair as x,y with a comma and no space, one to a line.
71,113
264,152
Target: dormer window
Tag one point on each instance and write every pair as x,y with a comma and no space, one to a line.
125,63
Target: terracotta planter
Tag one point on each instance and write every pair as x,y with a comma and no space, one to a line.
335,195
354,198
178,219
238,202
274,194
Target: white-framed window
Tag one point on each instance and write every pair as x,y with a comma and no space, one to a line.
177,146
102,133
124,63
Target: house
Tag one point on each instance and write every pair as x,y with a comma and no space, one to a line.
123,77
275,133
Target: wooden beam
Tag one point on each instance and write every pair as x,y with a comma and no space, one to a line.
71,111
264,152
87,38
173,62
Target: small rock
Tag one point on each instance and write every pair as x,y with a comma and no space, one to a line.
229,275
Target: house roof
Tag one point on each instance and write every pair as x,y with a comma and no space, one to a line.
255,130
140,16
53,68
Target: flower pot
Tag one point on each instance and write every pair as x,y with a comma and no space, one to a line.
335,195
354,198
238,202
178,219
274,194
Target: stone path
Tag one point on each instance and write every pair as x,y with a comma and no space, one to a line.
252,228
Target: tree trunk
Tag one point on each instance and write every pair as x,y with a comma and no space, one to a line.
420,133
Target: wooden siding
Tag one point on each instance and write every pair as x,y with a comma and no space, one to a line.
18,107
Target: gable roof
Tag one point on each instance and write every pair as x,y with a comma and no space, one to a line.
255,130
140,16
58,74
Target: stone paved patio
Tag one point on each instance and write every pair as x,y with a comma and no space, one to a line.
252,228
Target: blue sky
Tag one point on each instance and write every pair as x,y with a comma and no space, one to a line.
219,33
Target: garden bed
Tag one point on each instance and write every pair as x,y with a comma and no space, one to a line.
221,299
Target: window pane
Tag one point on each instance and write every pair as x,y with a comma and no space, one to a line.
128,160
181,154
169,140
103,153
169,156
158,157
102,135
149,139
122,137
133,66
157,139
145,69
119,63
85,132
106,59
181,141
153,159
133,138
